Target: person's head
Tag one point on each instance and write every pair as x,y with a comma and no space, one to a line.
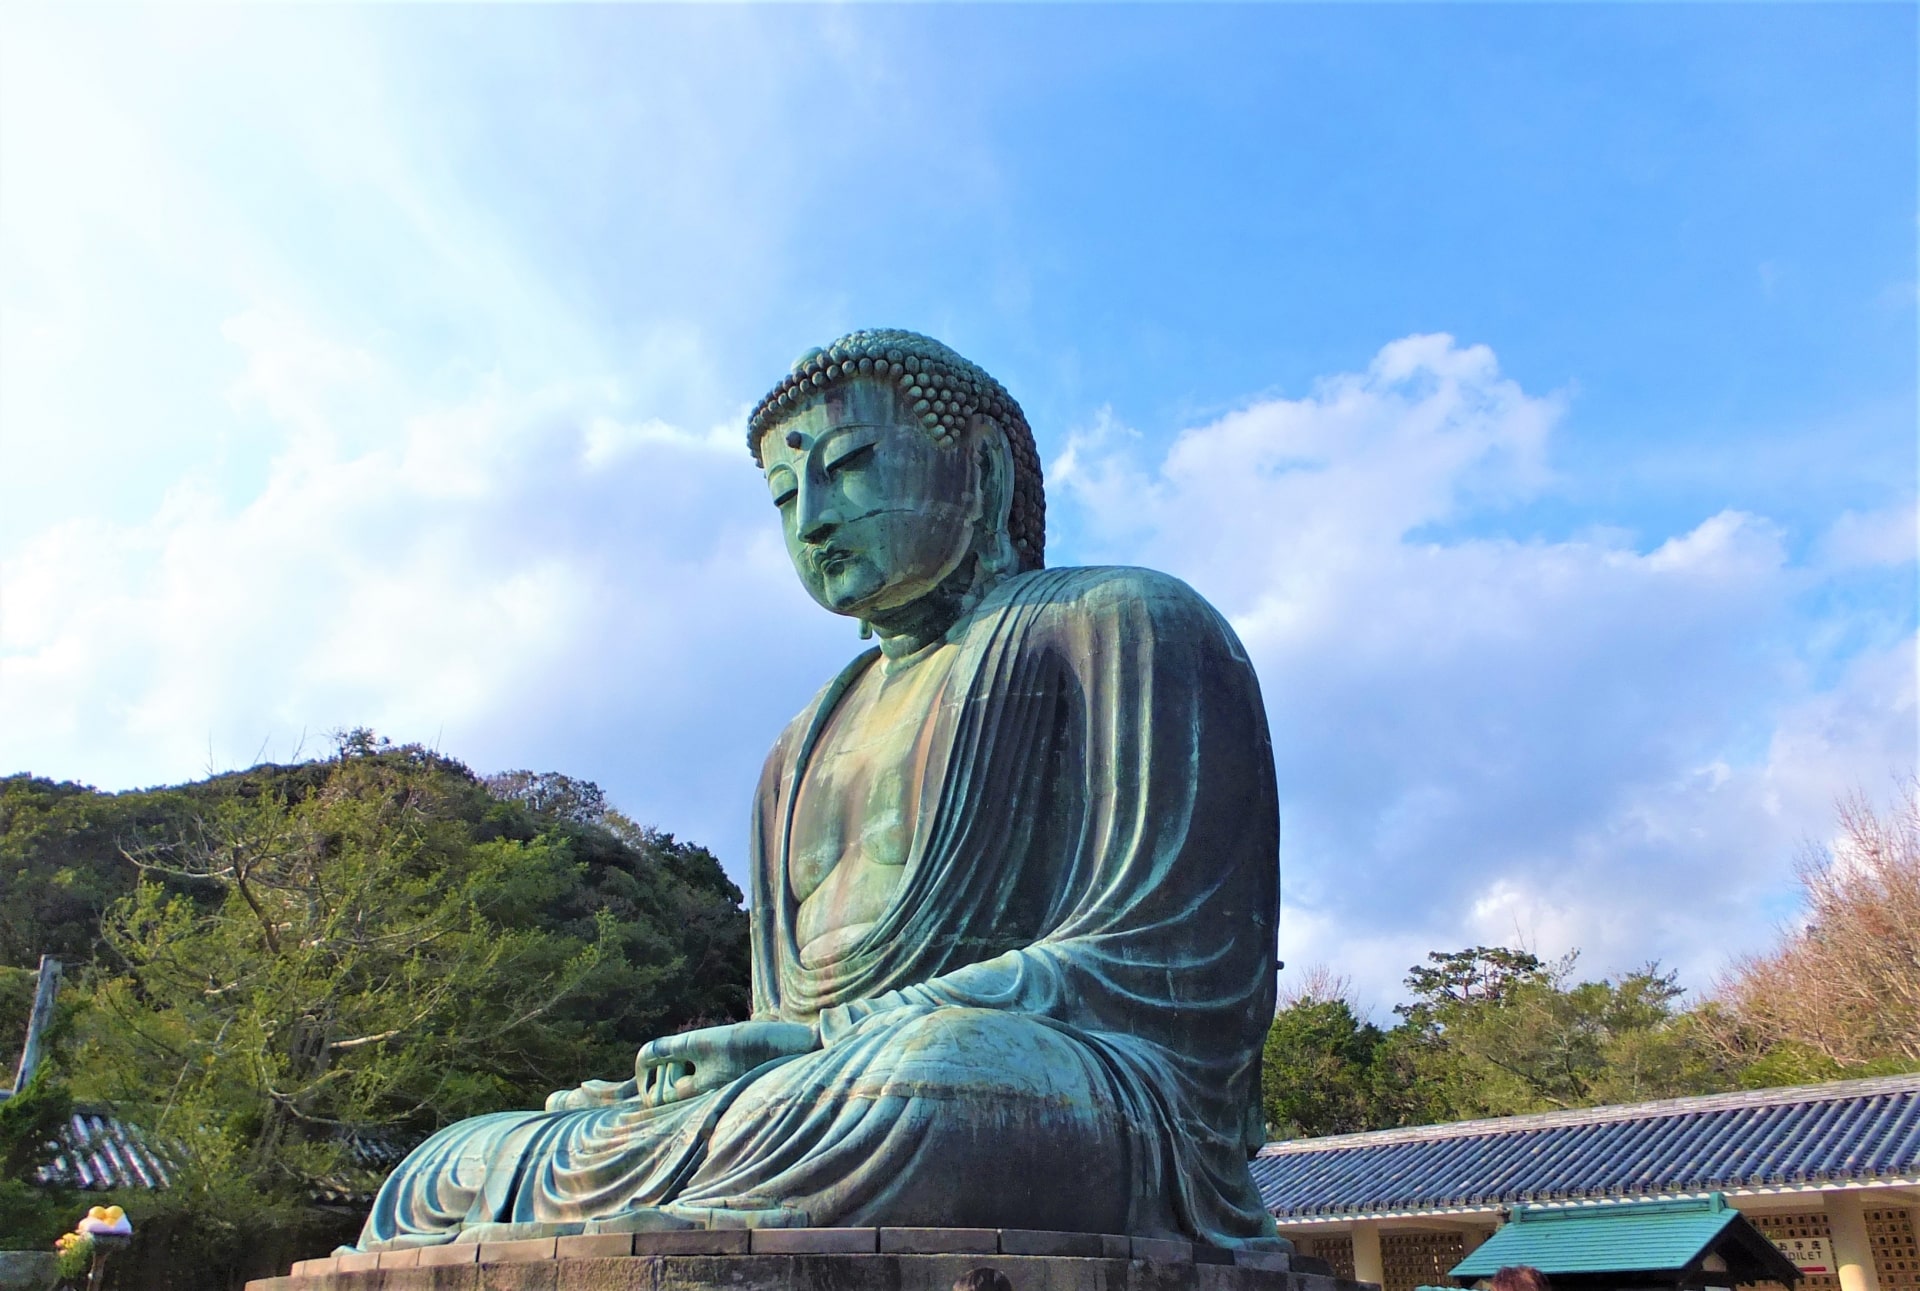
982,1279
898,467
1520,1277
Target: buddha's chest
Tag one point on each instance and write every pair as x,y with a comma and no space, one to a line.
858,803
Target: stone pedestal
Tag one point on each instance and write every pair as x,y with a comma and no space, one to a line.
28,1270
803,1259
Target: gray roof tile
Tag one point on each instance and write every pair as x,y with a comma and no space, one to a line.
1853,1131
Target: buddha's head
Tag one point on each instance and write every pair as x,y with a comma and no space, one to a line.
904,475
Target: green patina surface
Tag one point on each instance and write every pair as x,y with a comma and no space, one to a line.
1014,884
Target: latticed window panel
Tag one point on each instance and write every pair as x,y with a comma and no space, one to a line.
1896,1255
1336,1249
1802,1233
1410,1260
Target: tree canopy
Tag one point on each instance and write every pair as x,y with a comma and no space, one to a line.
1488,1031
1840,994
279,964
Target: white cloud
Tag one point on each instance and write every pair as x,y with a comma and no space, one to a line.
1581,741
1566,743
518,574
1863,539
1576,742
382,400
389,399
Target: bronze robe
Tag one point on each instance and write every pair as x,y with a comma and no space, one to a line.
1056,1023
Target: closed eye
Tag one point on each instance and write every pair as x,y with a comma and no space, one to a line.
782,484
855,455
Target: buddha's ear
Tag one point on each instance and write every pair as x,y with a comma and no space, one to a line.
996,495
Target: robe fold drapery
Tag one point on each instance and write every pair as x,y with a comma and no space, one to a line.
1057,1021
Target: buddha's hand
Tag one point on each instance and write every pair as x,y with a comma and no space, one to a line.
680,1066
592,1093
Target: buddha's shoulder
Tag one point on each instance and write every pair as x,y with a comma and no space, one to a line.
1120,604
1106,589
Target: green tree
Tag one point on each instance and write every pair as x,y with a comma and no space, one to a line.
60,861
17,986
31,1122
1493,1031
551,794
1488,1031
1316,1071
376,943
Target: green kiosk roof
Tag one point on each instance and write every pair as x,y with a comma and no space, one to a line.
1646,1238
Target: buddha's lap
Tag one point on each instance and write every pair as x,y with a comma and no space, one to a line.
953,1073
951,1116
1001,1108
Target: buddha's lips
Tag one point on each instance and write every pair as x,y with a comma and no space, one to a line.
829,560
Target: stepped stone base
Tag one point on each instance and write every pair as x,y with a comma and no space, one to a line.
810,1259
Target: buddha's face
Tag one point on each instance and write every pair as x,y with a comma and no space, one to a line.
876,513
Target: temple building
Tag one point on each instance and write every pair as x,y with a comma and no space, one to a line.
1831,1173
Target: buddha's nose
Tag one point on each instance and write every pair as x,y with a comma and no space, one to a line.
816,525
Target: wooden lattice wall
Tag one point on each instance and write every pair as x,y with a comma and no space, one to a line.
1896,1255
1409,1259
1335,1249
1412,1260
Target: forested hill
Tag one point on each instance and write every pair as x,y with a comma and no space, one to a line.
285,975
382,889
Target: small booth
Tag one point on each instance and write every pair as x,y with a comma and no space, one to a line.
1684,1245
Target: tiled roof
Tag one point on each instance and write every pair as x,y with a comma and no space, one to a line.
1810,1136
103,1153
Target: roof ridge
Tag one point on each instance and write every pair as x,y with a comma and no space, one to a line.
1829,1091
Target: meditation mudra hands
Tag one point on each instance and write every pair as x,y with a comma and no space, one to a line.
682,1066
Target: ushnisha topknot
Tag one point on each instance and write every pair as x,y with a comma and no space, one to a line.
946,391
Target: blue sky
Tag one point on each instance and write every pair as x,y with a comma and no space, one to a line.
1534,387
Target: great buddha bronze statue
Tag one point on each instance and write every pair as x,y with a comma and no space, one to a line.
1014,884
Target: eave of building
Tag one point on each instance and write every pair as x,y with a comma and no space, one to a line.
1763,1149
1904,1192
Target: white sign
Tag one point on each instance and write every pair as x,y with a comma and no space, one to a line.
1809,1254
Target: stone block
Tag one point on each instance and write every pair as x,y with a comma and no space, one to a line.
594,1246
447,1277
1041,1241
521,1275
400,1259
602,1273
631,1221
525,1251
814,1241
28,1270
357,1263
809,1271
451,1253
939,1241
1272,1261
1205,1253
1162,1250
693,1241
311,1268
1116,1246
